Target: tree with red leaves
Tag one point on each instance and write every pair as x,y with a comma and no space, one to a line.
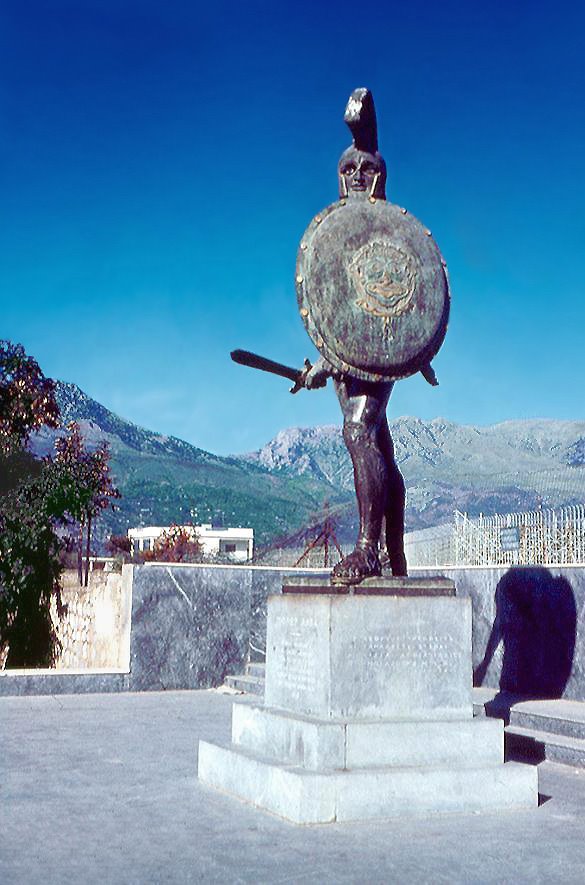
38,500
27,398
178,543
87,486
120,546
30,513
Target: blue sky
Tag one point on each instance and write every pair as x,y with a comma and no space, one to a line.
160,162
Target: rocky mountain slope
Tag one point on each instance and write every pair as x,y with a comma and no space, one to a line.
516,465
440,446
163,479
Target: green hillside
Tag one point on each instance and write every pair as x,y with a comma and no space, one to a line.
164,480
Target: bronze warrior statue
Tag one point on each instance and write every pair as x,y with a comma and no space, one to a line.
374,296
373,293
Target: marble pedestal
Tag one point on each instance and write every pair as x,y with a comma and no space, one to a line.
367,712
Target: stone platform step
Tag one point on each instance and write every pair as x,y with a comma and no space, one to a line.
557,717
315,743
255,668
537,729
531,745
253,685
311,797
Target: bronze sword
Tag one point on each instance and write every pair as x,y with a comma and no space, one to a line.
245,358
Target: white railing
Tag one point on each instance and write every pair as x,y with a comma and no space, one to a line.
540,537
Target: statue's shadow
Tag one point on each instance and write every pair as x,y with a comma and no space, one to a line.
536,620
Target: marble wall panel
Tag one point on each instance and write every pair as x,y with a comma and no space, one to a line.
190,625
528,627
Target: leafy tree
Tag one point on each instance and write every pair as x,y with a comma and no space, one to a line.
30,568
87,486
38,501
27,401
119,545
27,398
29,546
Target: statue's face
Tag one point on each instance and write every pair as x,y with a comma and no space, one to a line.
361,175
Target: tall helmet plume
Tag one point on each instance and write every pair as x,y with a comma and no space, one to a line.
360,116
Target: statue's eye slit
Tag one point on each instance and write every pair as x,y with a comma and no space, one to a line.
348,170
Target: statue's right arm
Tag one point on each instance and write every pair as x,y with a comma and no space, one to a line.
318,374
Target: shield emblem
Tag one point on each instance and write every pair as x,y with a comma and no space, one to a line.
372,289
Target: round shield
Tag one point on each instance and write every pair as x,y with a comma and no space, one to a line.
372,289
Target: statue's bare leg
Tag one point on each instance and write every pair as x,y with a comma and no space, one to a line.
364,408
395,500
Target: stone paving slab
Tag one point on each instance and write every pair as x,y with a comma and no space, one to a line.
103,788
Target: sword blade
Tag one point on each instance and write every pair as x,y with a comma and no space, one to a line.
245,358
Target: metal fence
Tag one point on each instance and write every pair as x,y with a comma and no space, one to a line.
540,537
430,547
288,557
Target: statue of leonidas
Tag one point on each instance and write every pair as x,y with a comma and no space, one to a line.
373,293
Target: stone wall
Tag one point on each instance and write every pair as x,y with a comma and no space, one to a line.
191,626
95,629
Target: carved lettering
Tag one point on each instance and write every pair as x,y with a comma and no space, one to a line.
409,648
294,659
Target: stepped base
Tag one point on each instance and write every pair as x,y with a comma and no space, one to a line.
313,797
315,743
536,746
368,712
538,729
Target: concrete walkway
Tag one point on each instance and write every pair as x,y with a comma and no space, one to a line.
103,789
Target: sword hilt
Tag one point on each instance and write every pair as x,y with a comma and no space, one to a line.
299,383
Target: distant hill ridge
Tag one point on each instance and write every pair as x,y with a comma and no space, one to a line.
438,446
166,480
75,405
282,486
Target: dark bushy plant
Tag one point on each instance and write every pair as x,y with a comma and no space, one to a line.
30,569
38,501
27,398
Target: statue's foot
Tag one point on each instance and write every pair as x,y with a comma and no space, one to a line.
362,563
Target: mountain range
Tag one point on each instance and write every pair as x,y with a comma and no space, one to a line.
166,480
515,465
507,467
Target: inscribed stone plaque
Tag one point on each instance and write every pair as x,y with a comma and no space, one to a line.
372,657
401,658
297,653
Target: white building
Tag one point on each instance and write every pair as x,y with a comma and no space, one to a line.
236,544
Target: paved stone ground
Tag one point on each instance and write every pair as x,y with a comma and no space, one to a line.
103,788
